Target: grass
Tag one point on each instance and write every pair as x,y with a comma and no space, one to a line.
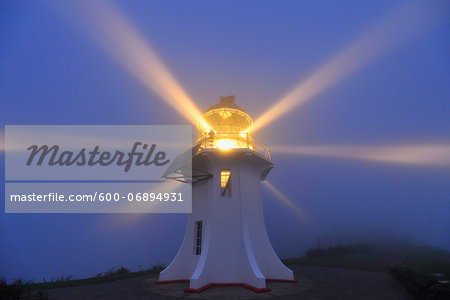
339,250
412,266
358,256
342,260
422,259
110,275
12,290
426,260
424,272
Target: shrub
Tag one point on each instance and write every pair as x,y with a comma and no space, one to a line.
12,290
338,250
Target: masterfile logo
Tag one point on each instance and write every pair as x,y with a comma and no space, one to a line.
94,157
69,152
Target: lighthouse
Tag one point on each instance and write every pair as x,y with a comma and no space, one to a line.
226,242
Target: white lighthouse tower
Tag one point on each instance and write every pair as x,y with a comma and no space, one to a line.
226,242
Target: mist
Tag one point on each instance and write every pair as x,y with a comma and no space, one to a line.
54,73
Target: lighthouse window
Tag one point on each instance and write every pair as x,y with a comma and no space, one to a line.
198,238
225,182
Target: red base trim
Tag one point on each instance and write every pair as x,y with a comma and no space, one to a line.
282,280
210,285
244,285
172,281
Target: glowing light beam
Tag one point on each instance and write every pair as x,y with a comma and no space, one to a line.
108,28
393,31
413,154
287,202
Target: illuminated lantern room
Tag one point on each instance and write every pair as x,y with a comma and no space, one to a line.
229,127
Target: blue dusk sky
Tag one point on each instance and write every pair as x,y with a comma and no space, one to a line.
360,143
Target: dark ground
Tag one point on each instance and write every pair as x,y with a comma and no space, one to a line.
314,283
348,272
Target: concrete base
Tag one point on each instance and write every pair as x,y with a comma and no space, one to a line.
210,285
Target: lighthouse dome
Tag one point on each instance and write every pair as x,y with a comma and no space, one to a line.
229,126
